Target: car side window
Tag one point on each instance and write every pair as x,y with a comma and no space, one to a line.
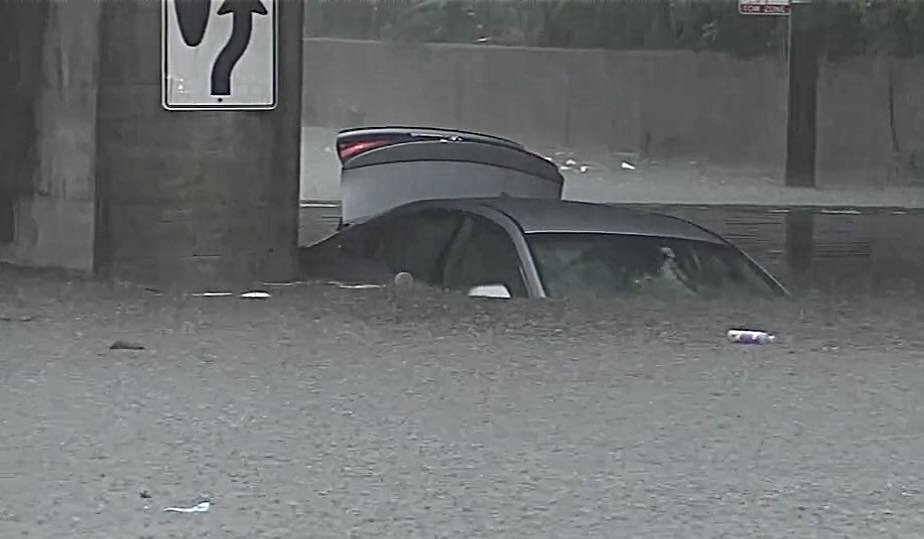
485,254
349,254
417,243
362,241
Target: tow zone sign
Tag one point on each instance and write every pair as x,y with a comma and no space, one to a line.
763,7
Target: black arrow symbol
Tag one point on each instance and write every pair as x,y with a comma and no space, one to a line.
242,12
192,16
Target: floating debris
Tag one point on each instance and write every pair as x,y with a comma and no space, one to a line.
749,336
198,508
256,294
126,345
16,318
211,294
355,286
404,279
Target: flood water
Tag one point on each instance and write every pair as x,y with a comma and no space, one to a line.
845,251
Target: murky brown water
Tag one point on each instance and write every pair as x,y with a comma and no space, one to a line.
850,250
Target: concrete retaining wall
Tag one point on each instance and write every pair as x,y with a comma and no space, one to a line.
871,121
665,104
671,103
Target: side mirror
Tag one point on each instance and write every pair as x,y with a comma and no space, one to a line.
489,291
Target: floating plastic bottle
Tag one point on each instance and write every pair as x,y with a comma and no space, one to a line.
202,507
750,336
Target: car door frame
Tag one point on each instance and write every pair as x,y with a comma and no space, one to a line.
525,262
416,211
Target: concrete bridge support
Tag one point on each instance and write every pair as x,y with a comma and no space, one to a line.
96,176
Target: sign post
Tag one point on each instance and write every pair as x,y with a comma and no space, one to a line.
805,44
219,54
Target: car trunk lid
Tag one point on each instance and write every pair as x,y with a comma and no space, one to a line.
384,167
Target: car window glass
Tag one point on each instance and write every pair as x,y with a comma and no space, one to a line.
484,255
604,265
350,255
361,241
416,243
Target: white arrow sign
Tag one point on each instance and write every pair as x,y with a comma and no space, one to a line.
219,54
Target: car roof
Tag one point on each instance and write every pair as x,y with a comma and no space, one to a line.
535,216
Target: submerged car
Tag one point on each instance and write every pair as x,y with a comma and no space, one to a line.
522,247
483,215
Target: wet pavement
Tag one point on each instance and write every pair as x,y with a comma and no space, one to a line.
324,412
848,249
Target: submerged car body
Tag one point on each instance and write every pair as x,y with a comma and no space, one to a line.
525,247
482,214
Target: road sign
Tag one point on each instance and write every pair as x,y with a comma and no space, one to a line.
219,54
763,7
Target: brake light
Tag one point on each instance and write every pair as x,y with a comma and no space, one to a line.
348,149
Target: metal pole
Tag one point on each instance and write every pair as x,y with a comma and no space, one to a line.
801,128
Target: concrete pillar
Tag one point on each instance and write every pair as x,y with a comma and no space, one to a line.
48,138
192,197
21,26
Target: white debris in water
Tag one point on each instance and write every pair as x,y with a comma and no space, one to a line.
256,294
338,284
288,283
198,508
627,166
211,294
841,212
